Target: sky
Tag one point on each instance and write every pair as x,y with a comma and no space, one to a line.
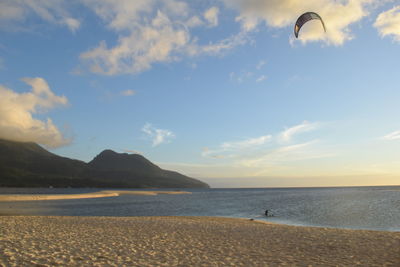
219,90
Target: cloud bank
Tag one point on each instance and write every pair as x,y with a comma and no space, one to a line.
16,114
151,32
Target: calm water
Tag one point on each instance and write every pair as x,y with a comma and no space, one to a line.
376,208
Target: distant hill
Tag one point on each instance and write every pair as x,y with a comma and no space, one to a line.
26,164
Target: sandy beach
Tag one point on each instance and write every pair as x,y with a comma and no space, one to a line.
187,241
100,194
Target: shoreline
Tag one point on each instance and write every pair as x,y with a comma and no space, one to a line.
100,194
187,241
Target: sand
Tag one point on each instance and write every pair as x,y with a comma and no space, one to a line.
107,193
187,241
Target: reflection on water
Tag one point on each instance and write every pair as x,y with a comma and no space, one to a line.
376,208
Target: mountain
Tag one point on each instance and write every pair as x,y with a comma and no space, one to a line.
29,165
26,164
136,171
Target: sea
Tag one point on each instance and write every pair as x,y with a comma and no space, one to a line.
370,208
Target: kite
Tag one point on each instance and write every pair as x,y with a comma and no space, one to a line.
304,19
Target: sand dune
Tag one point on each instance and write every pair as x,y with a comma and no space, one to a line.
107,193
187,241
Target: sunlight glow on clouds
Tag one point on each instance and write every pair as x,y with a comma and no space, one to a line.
158,136
221,69
151,32
388,23
338,16
16,109
137,52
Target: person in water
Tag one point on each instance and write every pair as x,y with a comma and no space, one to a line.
266,213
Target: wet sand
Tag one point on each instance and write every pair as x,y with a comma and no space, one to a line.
107,193
187,241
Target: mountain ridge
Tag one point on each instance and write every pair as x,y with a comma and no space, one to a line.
27,164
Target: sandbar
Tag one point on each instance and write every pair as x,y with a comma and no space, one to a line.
106,193
187,241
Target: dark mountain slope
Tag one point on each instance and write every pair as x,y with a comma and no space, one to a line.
110,160
26,164
137,171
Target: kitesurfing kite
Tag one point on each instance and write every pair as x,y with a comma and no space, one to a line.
303,19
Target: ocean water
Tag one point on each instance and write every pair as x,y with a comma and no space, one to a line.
373,208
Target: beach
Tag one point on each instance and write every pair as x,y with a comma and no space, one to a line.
99,194
187,241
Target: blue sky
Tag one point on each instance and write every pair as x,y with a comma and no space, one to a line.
218,90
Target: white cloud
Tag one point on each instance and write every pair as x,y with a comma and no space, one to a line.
132,151
128,93
122,14
392,136
338,16
161,41
388,23
14,12
219,47
211,15
17,109
72,24
229,149
263,148
261,78
151,32
288,134
158,136
251,142
284,154
259,156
